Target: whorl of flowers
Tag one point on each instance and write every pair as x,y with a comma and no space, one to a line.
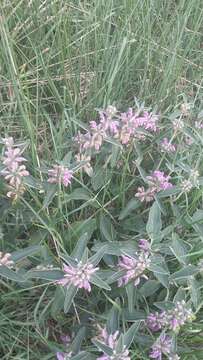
111,341
60,175
162,346
123,127
134,267
5,259
63,356
14,170
157,181
79,276
166,146
172,319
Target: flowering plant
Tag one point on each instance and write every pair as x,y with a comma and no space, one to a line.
109,240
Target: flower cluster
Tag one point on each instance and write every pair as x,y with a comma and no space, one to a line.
79,276
123,127
134,267
14,171
191,182
157,181
85,164
5,259
63,356
111,341
172,319
166,146
60,175
162,346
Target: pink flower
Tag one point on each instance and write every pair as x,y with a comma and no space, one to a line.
162,346
147,121
144,244
156,321
63,356
145,195
87,165
5,259
167,146
107,122
106,338
14,171
60,174
12,157
111,341
78,276
159,180
134,268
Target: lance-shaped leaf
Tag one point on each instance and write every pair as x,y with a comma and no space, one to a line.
76,343
184,273
129,335
154,223
10,274
71,291
23,253
80,247
116,276
113,318
107,228
51,275
95,259
133,204
101,346
99,282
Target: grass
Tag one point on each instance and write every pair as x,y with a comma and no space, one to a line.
59,61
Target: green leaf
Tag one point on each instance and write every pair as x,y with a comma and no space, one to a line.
101,346
164,305
99,179
21,254
71,291
83,355
76,343
99,282
116,276
178,249
134,315
158,269
184,273
180,295
115,155
130,290
154,224
195,292
31,182
10,274
50,193
57,304
107,228
80,247
119,344
130,334
96,258
165,193
112,324
149,288
133,204
51,275
78,194
78,228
